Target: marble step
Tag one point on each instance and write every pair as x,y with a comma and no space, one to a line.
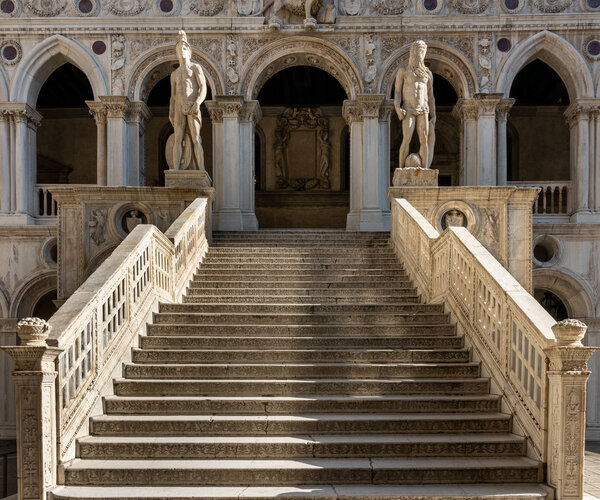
320,331
302,446
310,269
247,245
310,423
237,251
341,318
355,308
289,342
317,292
308,282
267,371
197,297
356,356
278,405
415,470
351,260
504,491
298,386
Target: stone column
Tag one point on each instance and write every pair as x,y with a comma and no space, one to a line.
98,111
34,378
250,115
567,376
578,119
466,111
502,159
352,112
385,113
5,205
137,118
486,138
117,108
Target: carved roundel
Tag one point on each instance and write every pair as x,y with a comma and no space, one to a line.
389,7
591,48
126,7
166,7
512,6
10,8
455,214
430,6
552,5
10,52
85,8
130,215
470,6
46,8
207,7
593,5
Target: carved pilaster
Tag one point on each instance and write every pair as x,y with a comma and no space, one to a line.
567,376
117,106
34,378
352,112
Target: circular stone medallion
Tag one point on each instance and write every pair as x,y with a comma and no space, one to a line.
99,47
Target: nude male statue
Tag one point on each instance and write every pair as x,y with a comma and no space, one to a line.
415,105
188,91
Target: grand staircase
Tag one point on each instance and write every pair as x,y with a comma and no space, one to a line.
301,365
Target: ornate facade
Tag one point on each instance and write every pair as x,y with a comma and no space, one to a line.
292,163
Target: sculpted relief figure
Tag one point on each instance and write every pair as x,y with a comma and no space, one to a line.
324,10
188,91
415,107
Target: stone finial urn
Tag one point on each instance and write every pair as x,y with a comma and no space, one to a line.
33,332
569,332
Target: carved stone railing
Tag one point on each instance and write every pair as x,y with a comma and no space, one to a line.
537,365
553,199
45,206
63,367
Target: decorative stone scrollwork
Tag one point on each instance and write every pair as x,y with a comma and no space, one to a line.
485,64
295,119
370,60
470,6
207,7
552,5
126,7
233,77
46,8
117,64
389,7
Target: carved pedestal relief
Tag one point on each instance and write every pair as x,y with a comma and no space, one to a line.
301,150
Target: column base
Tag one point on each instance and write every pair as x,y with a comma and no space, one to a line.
368,220
249,221
187,178
415,177
228,220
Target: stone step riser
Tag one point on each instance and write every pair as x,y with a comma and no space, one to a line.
297,356
294,269
248,387
260,406
306,449
258,298
317,371
233,343
285,246
317,309
272,427
298,319
311,253
349,261
431,330
277,476
339,286
318,293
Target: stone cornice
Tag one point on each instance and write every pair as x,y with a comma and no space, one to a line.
27,232
74,193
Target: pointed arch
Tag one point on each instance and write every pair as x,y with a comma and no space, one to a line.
444,60
46,57
557,53
299,51
154,65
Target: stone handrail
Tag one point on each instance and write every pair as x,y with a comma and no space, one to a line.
62,372
537,365
553,199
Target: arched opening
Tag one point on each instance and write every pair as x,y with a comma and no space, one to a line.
66,141
537,135
552,303
446,156
159,129
44,308
303,180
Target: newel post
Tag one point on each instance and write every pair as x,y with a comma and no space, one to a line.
34,378
567,377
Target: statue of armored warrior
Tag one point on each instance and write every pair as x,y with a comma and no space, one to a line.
415,106
188,91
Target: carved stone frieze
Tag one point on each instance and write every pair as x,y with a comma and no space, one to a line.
126,7
552,5
46,8
470,6
350,45
389,7
207,7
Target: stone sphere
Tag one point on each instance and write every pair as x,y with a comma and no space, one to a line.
413,161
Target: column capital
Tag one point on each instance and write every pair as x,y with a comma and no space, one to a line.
139,113
370,104
487,103
117,106
386,110
251,112
21,112
581,109
466,110
352,111
230,105
215,111
503,108
98,111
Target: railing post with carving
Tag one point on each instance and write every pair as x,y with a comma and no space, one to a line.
34,378
567,377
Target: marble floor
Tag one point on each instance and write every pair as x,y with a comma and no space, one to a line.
592,470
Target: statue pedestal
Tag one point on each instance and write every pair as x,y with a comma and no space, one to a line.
415,177
188,178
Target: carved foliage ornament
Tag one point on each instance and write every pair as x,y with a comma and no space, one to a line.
126,7
207,7
552,5
470,6
389,7
46,8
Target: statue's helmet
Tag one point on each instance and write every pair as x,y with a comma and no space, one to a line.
416,47
182,42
